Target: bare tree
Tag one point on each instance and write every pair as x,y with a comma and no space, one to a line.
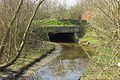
105,23
6,37
19,50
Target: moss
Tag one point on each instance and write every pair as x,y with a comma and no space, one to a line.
27,57
59,22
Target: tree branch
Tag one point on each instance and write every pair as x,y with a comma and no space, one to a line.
5,39
24,38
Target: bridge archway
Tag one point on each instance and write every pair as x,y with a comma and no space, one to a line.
67,37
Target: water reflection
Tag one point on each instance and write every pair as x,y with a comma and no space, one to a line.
72,51
68,66
60,70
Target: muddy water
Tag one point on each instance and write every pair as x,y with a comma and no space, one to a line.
68,66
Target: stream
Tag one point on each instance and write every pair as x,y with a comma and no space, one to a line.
69,65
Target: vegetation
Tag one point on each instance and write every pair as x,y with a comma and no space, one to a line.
78,51
11,48
54,22
99,65
29,56
103,33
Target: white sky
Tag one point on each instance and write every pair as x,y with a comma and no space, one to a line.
69,2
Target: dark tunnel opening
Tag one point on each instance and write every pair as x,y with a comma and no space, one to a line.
63,37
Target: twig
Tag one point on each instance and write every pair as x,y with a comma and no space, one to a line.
87,53
24,38
113,57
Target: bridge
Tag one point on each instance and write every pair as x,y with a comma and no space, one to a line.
60,29
61,33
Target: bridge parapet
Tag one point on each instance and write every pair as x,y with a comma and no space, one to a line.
60,29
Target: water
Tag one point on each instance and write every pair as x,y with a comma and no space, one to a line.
68,66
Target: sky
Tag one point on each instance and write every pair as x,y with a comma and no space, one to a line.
69,2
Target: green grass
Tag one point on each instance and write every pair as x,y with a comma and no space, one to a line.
99,68
54,22
27,57
89,37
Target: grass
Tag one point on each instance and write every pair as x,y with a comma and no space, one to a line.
56,22
89,37
99,69
28,57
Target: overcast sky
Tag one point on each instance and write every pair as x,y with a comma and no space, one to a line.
69,2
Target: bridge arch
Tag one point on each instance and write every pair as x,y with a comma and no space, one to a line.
66,37
67,34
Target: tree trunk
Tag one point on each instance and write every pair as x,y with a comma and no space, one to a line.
5,39
24,38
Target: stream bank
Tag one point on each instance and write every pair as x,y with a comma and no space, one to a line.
32,58
69,64
66,61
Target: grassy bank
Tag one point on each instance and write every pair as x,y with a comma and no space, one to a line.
99,66
27,57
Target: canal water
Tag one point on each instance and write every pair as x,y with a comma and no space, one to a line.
68,66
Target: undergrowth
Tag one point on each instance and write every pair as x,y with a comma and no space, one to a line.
100,67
